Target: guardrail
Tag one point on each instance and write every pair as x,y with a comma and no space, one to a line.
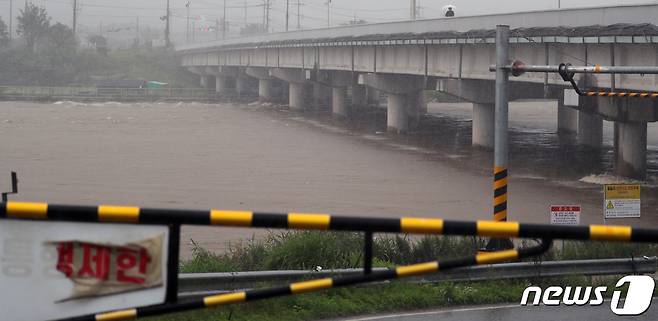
91,93
200,284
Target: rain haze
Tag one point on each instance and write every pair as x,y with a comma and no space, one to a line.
122,18
173,155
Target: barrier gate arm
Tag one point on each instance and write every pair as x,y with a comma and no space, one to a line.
320,284
310,221
567,72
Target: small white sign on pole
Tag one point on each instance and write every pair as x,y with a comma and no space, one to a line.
621,201
565,214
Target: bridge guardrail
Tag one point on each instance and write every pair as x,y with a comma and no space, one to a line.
199,284
36,92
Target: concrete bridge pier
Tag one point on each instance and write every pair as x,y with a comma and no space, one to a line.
372,96
264,90
631,149
338,105
264,82
296,80
322,95
225,78
222,84
242,84
338,81
483,125
403,102
590,124
590,130
567,119
359,95
206,81
482,94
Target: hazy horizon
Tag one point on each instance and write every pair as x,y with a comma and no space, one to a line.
122,17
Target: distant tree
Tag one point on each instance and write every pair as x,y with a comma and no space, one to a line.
61,37
4,35
100,43
33,24
252,29
358,22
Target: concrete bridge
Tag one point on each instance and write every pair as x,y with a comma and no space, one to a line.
453,55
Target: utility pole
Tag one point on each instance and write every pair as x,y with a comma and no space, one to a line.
167,41
137,31
11,18
501,140
287,13
75,16
328,21
224,22
216,28
412,10
267,16
245,14
559,5
299,15
187,27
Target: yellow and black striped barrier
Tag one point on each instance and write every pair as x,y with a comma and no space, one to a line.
620,94
311,221
320,284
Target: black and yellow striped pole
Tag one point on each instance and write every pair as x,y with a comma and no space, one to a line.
324,222
500,136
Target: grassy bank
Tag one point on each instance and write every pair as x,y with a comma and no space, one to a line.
306,250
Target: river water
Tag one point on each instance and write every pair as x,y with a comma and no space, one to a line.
262,157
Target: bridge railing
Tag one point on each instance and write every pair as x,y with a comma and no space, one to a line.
73,92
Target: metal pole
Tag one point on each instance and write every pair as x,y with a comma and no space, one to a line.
299,15
167,42
137,31
501,122
367,253
518,68
412,10
187,26
613,84
547,61
75,16
11,18
224,22
267,19
328,18
287,13
500,136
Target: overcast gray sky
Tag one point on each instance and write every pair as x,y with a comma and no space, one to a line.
123,14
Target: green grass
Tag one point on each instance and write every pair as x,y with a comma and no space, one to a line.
370,299
304,250
307,249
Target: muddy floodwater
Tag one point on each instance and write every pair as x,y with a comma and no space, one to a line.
255,157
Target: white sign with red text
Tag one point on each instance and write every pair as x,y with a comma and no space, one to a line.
565,214
54,270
